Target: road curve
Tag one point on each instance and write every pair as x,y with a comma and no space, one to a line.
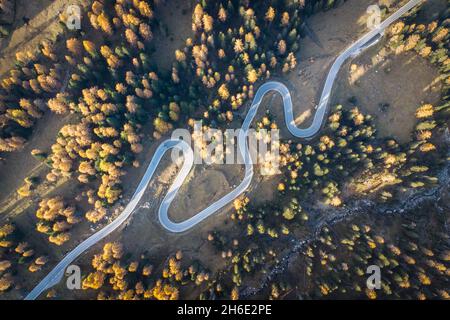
356,48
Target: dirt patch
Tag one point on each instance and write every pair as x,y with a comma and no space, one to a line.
43,24
191,199
390,88
19,165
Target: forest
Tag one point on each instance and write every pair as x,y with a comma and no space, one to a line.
105,78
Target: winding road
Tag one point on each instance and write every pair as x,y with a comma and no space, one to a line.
369,39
